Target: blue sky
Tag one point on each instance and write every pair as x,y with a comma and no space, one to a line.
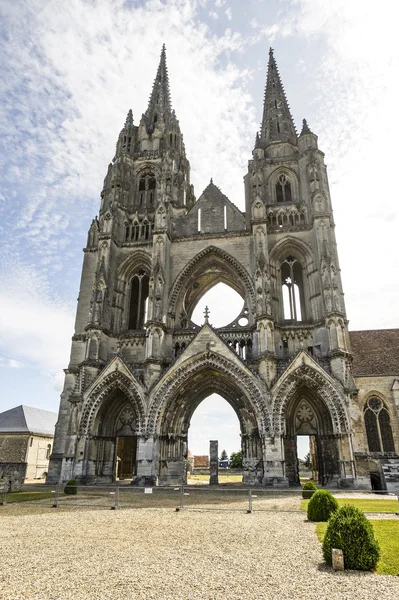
70,72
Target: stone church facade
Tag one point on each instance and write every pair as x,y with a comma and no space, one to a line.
139,366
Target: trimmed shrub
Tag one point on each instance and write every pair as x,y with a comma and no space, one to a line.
349,530
71,487
309,489
321,505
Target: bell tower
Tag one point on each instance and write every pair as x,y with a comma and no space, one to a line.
300,301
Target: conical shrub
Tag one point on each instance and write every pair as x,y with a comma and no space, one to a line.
308,489
321,505
349,530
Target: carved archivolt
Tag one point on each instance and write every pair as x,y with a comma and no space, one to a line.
246,386
320,384
114,381
232,264
291,245
136,260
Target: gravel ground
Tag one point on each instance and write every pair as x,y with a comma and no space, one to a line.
98,554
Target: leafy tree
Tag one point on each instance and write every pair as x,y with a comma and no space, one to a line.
236,460
224,456
307,462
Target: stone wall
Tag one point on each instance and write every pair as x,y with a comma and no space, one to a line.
13,447
12,475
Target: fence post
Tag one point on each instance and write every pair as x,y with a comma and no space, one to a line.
116,502
249,511
56,494
181,499
4,496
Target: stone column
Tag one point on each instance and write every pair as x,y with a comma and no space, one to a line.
213,462
145,475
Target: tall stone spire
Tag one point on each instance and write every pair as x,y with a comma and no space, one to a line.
277,122
159,105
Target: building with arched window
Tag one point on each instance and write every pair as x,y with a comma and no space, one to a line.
287,363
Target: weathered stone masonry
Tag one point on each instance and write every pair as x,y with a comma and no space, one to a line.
139,366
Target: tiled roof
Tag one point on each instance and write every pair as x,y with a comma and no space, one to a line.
375,352
26,419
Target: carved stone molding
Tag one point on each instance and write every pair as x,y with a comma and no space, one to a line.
246,385
306,376
113,381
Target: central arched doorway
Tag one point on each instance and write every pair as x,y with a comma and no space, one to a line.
307,415
213,419
174,417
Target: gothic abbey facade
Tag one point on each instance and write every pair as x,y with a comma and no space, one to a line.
139,366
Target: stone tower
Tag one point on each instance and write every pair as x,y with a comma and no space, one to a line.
139,366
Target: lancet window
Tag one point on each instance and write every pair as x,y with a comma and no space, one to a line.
138,300
283,189
139,231
292,289
378,426
147,190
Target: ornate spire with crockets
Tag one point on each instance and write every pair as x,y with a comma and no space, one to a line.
159,105
277,123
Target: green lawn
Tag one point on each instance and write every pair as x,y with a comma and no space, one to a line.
387,533
27,496
378,506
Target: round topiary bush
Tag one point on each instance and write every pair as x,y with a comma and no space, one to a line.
71,487
309,489
321,505
349,530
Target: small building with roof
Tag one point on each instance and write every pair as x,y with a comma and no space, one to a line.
26,441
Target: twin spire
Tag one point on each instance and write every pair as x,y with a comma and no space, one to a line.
159,104
277,123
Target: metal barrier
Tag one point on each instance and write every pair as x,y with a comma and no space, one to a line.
183,497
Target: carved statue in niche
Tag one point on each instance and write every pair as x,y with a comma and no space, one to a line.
73,418
333,276
313,175
97,308
325,276
337,301
257,182
327,299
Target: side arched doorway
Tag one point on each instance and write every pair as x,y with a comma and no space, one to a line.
307,415
112,446
174,408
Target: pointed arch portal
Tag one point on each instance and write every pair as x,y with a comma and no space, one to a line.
176,400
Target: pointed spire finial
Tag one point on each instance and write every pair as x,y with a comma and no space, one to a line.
257,140
159,105
305,127
211,181
277,122
129,119
206,315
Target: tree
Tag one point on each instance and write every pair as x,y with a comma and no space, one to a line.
236,460
307,462
223,456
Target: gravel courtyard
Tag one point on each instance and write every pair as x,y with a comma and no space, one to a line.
99,554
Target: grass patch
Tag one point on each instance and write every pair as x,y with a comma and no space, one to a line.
387,533
27,496
378,506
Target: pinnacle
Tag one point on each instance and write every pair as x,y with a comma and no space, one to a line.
277,122
159,103
129,119
305,127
